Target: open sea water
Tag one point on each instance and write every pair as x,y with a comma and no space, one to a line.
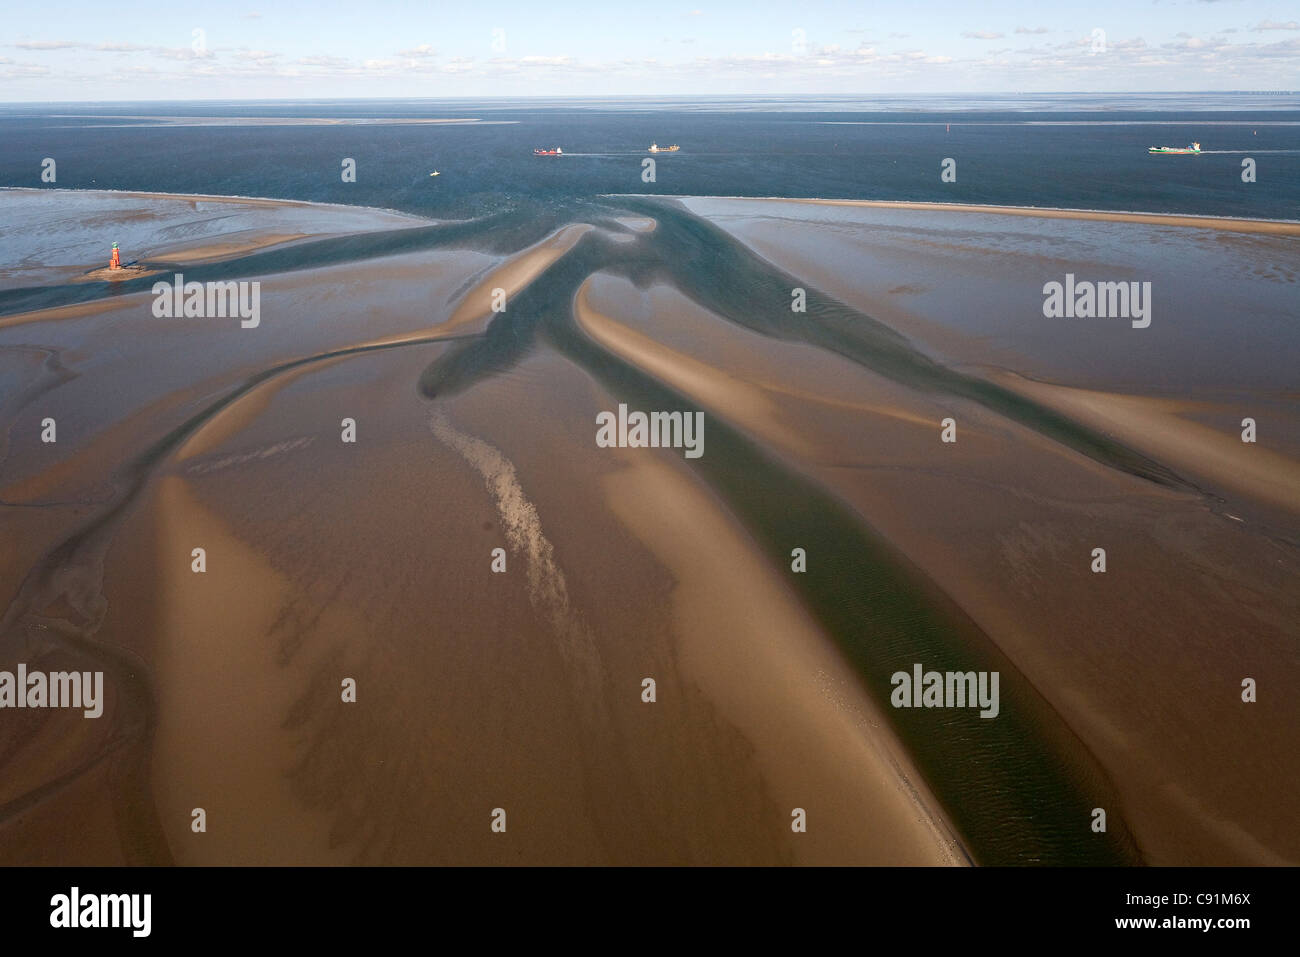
1076,151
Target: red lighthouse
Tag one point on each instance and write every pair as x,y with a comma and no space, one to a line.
115,261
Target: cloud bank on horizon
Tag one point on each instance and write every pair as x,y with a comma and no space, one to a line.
133,50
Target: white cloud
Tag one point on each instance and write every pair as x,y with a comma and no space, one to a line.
23,70
334,62
182,53
1240,65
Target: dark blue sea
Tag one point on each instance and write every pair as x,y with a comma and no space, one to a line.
1077,151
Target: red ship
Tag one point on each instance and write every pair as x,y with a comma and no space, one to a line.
555,152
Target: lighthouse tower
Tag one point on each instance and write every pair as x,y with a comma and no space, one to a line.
115,261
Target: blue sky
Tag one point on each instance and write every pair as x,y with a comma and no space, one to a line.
130,50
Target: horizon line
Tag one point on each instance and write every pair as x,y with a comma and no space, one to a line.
660,96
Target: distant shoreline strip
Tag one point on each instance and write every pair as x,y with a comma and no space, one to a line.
214,198
1284,227
248,121
1288,227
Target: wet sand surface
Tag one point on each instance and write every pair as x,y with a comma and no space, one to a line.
522,689
55,235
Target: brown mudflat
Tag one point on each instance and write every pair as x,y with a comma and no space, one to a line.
476,689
